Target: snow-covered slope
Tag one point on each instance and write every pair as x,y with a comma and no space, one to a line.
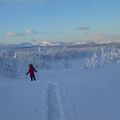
66,87
63,94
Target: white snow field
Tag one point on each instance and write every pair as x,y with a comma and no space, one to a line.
74,82
63,94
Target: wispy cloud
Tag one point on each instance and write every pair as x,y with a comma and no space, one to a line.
27,32
11,34
83,28
30,31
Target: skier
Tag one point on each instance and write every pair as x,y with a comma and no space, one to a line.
31,72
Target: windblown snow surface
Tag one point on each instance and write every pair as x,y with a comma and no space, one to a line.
65,93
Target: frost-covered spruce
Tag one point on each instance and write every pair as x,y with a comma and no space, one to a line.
54,105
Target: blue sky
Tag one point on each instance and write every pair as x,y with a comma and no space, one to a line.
59,20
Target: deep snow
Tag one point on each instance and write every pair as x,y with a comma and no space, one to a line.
84,94
74,82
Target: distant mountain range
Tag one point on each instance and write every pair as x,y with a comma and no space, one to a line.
46,43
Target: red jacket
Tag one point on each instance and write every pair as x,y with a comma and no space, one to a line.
31,71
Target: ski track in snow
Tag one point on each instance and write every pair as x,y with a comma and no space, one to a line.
54,104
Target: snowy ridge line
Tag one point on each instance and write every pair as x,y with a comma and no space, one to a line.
52,44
